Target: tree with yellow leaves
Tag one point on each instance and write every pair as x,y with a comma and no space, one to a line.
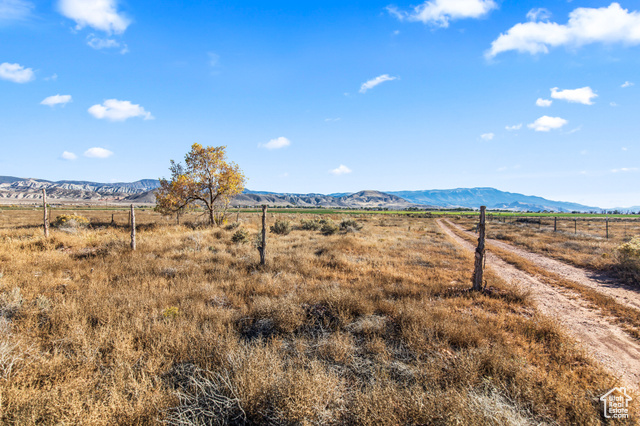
206,179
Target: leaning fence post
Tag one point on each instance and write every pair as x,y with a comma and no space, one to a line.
45,218
132,217
478,270
263,244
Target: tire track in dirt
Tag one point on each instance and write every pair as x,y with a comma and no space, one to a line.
601,337
600,282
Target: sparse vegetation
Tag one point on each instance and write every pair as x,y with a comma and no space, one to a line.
329,227
628,255
581,243
310,225
241,236
350,225
70,221
281,227
374,327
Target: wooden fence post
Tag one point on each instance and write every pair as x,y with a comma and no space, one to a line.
263,244
607,225
575,226
46,213
555,224
132,218
478,270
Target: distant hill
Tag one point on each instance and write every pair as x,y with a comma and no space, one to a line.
14,189
490,197
362,199
19,189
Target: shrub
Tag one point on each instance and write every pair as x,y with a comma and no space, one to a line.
350,225
329,228
10,302
171,312
310,225
232,226
241,236
629,260
70,221
281,227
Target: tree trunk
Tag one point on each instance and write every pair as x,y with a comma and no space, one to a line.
46,213
478,270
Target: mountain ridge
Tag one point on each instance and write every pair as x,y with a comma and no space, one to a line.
15,189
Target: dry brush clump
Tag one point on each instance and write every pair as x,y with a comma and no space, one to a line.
628,257
369,327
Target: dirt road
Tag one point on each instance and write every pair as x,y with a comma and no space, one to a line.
600,335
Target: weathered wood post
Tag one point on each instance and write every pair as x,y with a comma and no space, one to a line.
113,222
238,214
555,224
263,244
607,225
132,218
575,226
46,213
479,262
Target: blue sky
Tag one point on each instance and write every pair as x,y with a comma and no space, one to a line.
532,97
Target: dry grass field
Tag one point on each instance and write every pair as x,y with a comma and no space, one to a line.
586,248
373,326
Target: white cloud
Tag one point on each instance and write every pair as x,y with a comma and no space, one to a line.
624,148
514,127
15,10
546,123
440,12
115,110
54,77
98,14
611,24
627,84
544,102
613,104
329,120
276,143
102,43
625,170
16,73
341,170
70,155
56,100
582,95
97,152
375,81
487,136
539,14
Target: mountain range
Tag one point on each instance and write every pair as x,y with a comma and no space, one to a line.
15,190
